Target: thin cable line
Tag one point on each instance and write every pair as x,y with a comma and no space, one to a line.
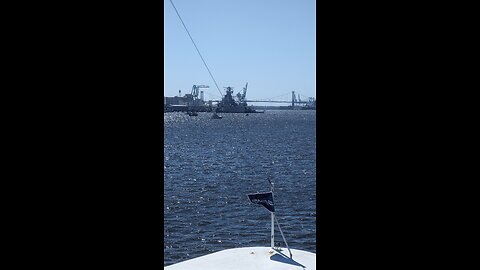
196,48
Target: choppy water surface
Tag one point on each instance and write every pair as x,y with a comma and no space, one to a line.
210,166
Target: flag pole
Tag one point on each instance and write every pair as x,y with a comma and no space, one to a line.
272,237
273,225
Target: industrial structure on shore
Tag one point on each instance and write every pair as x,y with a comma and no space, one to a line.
194,101
230,103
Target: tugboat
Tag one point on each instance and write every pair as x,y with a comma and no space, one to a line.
230,105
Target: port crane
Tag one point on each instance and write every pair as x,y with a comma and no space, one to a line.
196,91
242,96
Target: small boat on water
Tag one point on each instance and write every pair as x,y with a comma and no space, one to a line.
216,116
192,113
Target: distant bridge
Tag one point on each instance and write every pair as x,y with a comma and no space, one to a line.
273,101
278,101
293,101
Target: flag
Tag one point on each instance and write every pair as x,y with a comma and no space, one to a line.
265,199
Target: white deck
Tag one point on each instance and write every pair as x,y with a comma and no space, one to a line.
251,258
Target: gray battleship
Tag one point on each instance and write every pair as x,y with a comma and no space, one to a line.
230,104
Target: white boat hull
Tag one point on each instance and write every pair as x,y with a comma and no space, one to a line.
250,258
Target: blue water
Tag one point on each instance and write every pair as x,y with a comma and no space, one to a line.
212,164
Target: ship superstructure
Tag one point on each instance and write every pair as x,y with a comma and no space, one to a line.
232,104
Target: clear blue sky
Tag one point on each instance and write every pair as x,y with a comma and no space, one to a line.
268,43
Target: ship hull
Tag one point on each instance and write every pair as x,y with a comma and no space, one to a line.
236,109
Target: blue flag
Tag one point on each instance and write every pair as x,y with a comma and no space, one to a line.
265,199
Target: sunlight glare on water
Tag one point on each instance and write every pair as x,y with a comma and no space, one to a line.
212,164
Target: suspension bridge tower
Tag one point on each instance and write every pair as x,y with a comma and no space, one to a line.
293,99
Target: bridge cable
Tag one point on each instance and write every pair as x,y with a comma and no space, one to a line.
279,96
